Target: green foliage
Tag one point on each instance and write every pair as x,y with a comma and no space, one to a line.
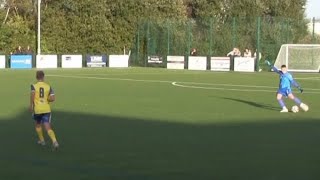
244,26
21,32
108,26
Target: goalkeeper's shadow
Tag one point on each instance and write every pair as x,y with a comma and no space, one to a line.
254,104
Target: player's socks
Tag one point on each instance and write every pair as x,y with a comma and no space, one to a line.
297,101
281,103
52,135
283,106
40,133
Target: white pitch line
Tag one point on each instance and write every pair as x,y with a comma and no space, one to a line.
122,74
309,78
215,88
245,86
179,84
133,73
228,89
229,85
106,78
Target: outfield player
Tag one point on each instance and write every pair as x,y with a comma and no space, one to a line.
41,95
286,80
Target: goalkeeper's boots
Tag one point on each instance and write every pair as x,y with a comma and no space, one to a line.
284,109
304,107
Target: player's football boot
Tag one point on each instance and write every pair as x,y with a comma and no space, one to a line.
42,143
55,145
284,109
304,107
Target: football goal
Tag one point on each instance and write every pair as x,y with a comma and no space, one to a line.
299,57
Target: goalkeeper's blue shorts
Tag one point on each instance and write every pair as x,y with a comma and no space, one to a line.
285,91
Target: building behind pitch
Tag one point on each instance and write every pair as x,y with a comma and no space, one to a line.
314,24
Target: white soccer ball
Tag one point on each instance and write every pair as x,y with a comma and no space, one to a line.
295,109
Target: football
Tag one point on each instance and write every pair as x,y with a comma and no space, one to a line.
295,109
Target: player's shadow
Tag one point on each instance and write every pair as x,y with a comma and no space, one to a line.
113,147
254,104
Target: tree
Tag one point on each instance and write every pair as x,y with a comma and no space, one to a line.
107,26
234,23
18,27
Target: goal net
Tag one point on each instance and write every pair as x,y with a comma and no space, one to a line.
299,57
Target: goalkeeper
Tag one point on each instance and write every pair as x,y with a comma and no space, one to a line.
286,80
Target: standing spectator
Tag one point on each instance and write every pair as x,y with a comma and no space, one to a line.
193,52
247,53
257,60
234,53
255,54
29,50
19,50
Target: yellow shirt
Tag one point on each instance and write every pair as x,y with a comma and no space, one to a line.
42,92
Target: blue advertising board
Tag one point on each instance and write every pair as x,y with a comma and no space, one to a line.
21,61
96,60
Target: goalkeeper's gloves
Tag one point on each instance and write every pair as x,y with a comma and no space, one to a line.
268,63
300,89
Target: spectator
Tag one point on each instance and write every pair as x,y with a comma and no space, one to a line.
247,53
193,52
257,60
234,53
29,50
19,50
255,54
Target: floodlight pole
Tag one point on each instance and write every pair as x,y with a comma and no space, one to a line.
39,29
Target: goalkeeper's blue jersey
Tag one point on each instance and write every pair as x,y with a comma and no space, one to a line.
286,80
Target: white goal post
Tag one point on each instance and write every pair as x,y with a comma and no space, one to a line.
299,57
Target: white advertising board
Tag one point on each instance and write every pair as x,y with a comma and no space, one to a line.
47,61
96,60
197,63
220,63
2,61
244,64
155,60
119,61
175,62
71,61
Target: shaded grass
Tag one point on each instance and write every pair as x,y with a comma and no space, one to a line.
103,147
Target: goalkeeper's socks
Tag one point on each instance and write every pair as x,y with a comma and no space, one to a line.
297,101
281,103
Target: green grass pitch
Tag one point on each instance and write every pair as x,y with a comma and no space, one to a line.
137,124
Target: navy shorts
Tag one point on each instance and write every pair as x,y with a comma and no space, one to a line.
285,92
42,118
